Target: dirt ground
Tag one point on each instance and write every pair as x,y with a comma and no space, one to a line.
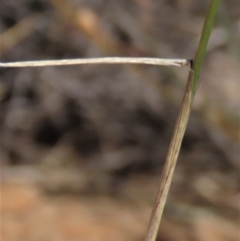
82,148
29,214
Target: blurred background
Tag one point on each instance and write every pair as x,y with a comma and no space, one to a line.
82,147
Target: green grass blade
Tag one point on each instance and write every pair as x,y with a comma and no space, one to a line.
207,28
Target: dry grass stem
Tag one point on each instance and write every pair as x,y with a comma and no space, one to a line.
106,60
18,32
171,161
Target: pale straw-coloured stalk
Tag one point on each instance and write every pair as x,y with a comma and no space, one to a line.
181,124
171,160
104,60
